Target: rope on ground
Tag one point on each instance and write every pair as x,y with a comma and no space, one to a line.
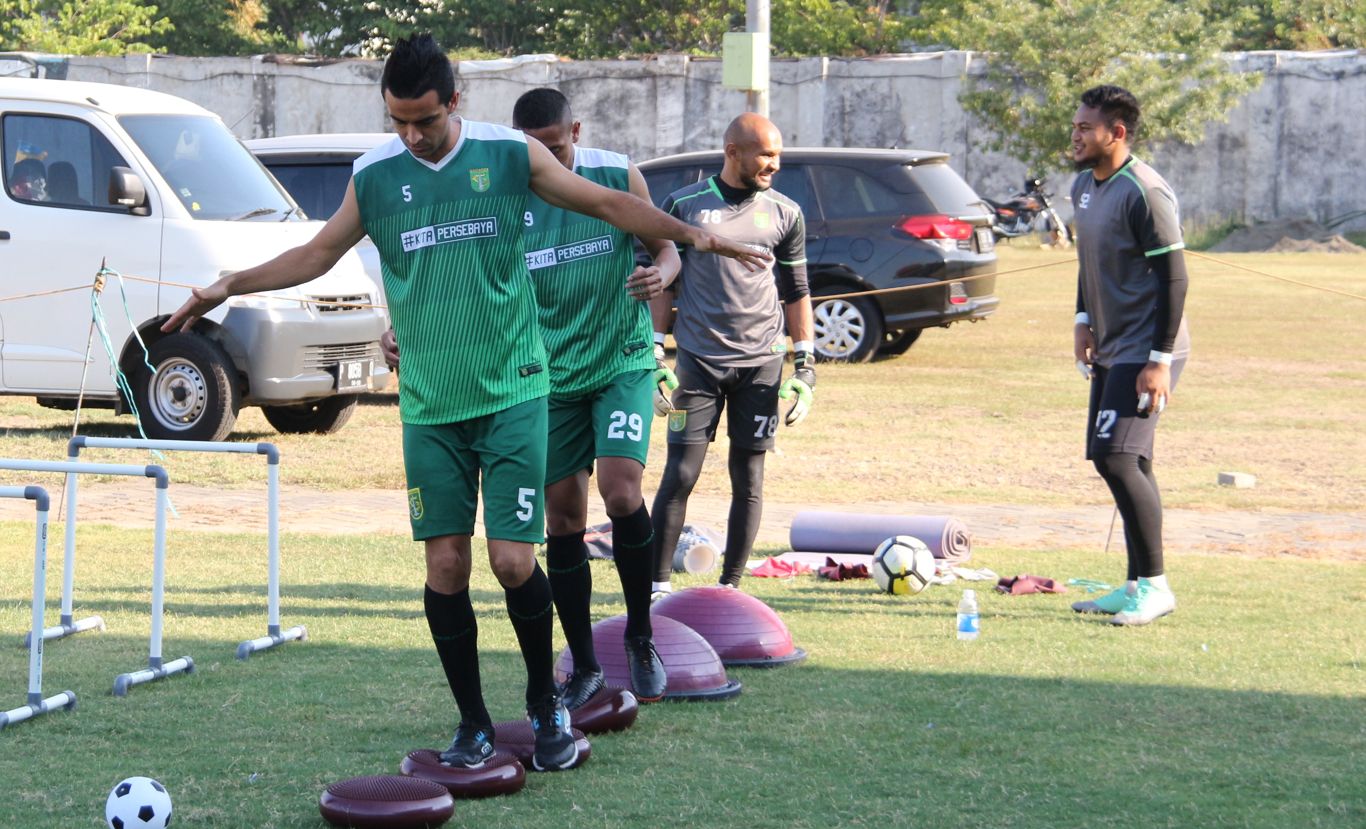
1236,266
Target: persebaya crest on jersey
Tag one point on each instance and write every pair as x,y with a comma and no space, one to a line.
449,236
593,329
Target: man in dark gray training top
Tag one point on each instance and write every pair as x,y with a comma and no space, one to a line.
1130,333
731,341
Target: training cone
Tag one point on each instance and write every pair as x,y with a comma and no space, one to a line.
692,668
744,631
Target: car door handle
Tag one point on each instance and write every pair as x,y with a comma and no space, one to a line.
4,235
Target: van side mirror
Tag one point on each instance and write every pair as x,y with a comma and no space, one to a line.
127,190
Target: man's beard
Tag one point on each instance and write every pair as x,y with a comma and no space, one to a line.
1085,164
752,183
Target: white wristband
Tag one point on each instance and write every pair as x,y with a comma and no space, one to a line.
1160,357
1083,318
804,345
659,338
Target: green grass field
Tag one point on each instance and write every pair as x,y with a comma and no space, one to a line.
989,413
1243,709
1246,708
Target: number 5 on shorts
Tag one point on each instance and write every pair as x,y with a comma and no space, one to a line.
528,507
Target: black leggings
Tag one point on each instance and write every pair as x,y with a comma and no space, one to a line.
1131,481
681,471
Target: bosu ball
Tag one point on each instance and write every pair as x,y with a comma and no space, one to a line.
517,738
610,709
386,802
500,774
691,666
742,629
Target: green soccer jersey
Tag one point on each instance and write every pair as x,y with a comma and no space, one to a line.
593,329
449,237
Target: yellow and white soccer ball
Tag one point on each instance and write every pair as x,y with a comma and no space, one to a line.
902,565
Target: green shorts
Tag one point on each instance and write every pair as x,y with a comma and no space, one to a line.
610,422
444,464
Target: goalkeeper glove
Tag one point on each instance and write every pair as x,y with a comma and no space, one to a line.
799,386
665,382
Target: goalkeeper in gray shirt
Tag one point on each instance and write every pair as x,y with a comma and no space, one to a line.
1130,334
731,332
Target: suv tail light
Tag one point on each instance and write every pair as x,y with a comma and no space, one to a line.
936,226
958,295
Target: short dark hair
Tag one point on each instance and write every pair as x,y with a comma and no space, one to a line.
1115,103
541,107
417,66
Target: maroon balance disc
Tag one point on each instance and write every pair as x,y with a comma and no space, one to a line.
610,709
500,774
386,802
742,629
691,666
517,738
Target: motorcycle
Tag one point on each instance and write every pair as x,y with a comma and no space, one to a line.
1029,211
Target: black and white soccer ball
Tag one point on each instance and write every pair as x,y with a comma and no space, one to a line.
138,803
902,565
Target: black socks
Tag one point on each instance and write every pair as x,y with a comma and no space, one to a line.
529,607
450,617
633,553
571,583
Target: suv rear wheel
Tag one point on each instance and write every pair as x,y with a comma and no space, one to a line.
848,330
896,343
190,394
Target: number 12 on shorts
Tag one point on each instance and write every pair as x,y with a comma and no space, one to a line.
1105,423
525,500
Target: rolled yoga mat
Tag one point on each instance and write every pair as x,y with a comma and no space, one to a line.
849,532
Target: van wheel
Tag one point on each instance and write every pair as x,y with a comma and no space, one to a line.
322,417
897,343
848,330
191,391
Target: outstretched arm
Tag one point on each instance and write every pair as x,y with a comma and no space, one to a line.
562,188
293,267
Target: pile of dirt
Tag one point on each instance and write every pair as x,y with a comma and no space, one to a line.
1286,236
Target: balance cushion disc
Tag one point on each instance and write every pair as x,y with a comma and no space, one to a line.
516,737
386,802
742,629
500,774
610,709
691,666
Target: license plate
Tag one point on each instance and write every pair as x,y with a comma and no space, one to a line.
986,241
353,375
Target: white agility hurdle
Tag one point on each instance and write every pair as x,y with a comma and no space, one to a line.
274,635
36,704
156,668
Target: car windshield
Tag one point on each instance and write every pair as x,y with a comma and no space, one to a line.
212,174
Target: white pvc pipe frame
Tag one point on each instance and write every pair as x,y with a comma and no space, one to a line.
274,636
36,704
156,669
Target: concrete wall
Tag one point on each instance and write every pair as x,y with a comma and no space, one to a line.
1291,148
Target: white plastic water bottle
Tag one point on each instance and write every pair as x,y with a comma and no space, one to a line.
967,616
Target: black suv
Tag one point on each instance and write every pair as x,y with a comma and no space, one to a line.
875,219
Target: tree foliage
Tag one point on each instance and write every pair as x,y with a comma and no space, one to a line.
1041,54
79,27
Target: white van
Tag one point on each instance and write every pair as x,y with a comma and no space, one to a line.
159,189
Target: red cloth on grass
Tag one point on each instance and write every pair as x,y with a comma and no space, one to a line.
772,568
1025,583
834,571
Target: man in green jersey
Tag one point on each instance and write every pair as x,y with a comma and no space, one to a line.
444,203
597,333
